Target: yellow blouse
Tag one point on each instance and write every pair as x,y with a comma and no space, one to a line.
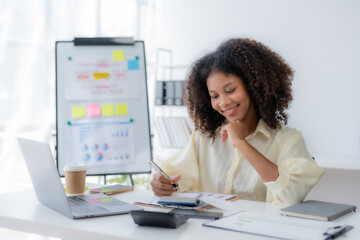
218,167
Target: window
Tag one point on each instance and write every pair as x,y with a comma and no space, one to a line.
28,31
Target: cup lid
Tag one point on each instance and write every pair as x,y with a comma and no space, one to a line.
75,167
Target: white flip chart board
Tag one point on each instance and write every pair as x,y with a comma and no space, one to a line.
102,114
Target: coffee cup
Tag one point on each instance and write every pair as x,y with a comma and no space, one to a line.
75,175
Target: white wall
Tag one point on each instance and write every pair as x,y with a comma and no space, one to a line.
338,185
319,39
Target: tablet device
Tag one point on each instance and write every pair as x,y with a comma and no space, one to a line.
198,214
158,219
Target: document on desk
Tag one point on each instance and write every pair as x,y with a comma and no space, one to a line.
207,200
273,226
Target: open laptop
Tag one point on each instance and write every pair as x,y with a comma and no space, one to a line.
50,191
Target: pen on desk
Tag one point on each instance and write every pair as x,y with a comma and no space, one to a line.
157,168
335,232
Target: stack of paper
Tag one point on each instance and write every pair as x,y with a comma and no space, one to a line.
211,199
173,132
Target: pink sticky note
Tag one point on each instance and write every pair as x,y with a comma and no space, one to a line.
93,110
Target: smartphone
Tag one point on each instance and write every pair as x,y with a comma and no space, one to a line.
197,214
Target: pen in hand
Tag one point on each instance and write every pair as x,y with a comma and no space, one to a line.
157,168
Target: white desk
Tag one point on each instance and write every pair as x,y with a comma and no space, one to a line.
21,211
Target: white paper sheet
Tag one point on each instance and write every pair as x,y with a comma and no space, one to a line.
218,199
274,226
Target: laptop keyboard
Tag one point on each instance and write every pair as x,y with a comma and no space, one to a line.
80,206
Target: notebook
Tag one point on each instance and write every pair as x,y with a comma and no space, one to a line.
114,189
50,191
184,199
318,210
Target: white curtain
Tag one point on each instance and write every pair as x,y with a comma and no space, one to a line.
28,32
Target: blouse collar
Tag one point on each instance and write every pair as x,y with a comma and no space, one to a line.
263,128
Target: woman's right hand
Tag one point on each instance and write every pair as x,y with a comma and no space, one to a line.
162,186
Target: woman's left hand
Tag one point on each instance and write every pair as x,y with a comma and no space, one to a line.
234,132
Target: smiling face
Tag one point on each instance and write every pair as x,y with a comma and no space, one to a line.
230,98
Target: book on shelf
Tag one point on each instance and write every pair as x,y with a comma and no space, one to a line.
163,134
179,88
170,93
182,131
186,128
170,131
318,210
174,132
159,93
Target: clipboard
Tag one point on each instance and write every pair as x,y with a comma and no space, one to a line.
280,227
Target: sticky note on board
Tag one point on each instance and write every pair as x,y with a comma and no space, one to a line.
78,111
83,76
107,110
93,110
121,109
133,64
101,75
118,55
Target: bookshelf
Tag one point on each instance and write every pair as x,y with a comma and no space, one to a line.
172,126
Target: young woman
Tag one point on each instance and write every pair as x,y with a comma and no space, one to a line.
237,97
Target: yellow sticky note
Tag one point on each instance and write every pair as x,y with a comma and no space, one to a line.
118,55
101,75
107,110
121,109
106,199
78,111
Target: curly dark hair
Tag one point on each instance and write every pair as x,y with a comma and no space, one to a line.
267,76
